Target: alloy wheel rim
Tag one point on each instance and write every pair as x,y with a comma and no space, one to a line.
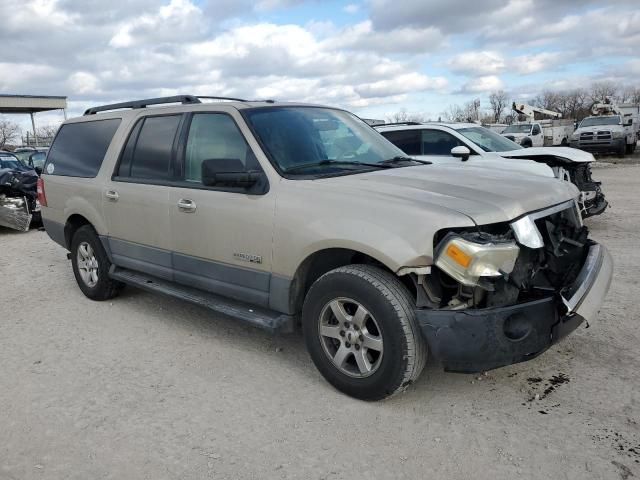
87,264
350,337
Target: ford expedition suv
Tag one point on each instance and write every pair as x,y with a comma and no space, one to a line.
274,213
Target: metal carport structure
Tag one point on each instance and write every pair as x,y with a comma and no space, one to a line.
30,104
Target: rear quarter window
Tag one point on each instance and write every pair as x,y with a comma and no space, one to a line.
79,148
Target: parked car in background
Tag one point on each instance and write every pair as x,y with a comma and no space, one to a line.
474,144
273,212
612,128
19,206
32,157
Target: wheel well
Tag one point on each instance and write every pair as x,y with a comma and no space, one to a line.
323,261
74,222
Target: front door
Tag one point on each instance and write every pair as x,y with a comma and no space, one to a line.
223,237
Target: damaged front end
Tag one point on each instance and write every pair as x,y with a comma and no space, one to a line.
503,294
18,199
592,199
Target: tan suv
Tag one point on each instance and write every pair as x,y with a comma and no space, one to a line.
277,212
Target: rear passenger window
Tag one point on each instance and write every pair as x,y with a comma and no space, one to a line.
79,148
406,140
437,142
149,149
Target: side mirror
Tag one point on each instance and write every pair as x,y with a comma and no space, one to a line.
38,170
227,172
461,152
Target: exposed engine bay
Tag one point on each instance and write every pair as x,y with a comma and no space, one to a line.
536,273
18,198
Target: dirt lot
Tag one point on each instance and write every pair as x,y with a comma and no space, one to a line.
146,387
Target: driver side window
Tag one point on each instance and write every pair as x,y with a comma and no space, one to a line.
536,130
214,136
437,142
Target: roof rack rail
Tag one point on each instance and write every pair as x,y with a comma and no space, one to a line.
222,98
397,123
184,99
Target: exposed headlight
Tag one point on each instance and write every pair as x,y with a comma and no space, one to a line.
618,134
468,261
575,136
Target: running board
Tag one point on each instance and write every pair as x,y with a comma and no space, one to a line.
256,316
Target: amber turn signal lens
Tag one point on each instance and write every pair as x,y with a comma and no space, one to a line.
458,256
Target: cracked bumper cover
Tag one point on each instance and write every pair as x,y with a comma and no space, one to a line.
477,340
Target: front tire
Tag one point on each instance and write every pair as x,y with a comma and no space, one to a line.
91,265
361,332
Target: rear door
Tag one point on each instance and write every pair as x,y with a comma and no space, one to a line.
223,236
136,198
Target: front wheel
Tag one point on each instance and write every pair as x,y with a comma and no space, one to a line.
361,331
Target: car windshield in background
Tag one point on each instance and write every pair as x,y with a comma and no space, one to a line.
312,140
9,161
521,128
488,140
595,121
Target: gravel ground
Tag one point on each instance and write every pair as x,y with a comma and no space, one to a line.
146,387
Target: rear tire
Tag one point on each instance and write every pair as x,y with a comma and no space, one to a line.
361,332
91,265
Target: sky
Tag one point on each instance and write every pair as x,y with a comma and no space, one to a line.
373,57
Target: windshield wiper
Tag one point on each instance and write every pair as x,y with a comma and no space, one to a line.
400,158
336,162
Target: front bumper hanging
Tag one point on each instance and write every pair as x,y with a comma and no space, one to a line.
472,341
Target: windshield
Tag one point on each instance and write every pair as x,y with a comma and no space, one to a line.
487,140
326,140
9,161
593,121
520,128
37,159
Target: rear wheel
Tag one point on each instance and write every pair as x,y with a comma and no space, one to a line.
361,332
91,265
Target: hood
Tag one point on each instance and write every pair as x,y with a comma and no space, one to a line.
485,195
492,160
568,153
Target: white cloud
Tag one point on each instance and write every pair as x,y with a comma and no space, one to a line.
352,8
84,82
483,84
478,63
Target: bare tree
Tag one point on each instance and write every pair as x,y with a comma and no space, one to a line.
453,113
630,94
47,131
9,131
601,90
548,100
498,100
404,116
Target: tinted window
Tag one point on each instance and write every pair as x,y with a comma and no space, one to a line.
150,157
406,140
79,148
214,136
536,130
437,142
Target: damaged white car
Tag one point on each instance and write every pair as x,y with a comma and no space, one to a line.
479,146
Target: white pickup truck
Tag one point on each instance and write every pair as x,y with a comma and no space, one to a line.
544,133
611,129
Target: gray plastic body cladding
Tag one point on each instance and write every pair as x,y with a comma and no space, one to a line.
244,284
55,231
